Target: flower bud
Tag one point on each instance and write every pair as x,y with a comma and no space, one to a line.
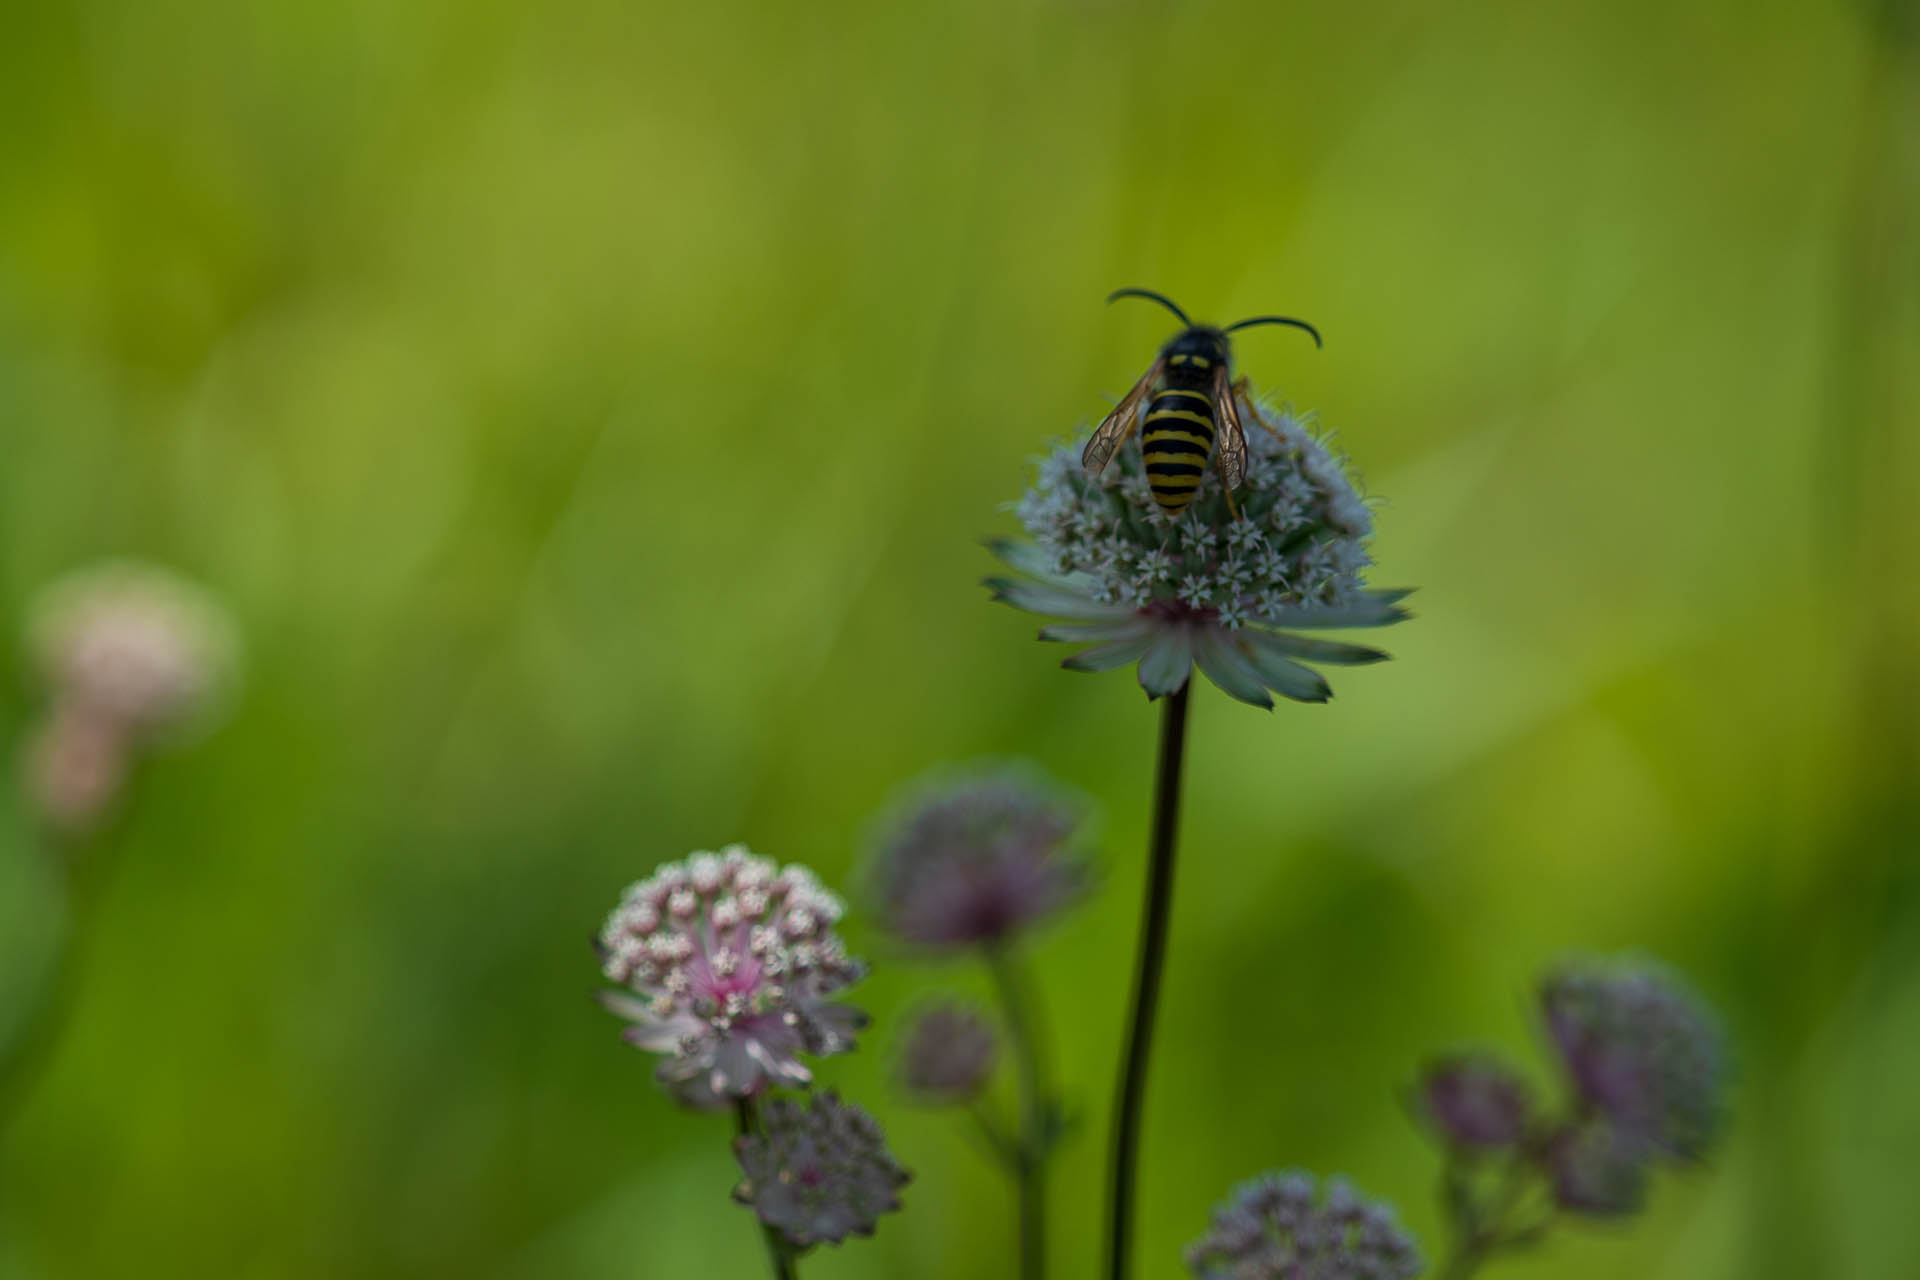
949,1054
1475,1102
1597,1170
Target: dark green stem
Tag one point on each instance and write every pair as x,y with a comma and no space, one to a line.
746,1112
1154,913
87,865
1014,986
1482,1230
39,1030
1466,1259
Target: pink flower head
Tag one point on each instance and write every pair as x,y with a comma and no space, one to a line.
727,963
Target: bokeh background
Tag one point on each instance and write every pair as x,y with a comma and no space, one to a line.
590,411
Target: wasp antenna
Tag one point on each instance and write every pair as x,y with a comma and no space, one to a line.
1152,296
1298,324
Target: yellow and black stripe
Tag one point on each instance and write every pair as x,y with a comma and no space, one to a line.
1177,437
1192,407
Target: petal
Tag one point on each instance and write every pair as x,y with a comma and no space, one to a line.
1168,660
779,1064
735,1071
1033,562
1328,651
1037,598
1227,667
624,1005
842,1021
1097,632
1105,657
650,1032
1290,679
1369,609
695,1092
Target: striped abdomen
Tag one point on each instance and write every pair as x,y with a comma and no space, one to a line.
1177,440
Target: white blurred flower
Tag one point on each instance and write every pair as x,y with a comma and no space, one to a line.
132,656
134,645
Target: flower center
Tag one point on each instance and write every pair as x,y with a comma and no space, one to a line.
1174,609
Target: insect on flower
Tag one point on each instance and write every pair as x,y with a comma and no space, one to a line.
1192,402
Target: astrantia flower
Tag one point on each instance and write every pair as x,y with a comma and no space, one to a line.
977,859
131,656
818,1174
1597,1169
1475,1101
728,963
949,1053
1205,588
1278,1227
1642,1050
134,647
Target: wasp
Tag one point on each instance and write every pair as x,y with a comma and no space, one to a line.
1192,404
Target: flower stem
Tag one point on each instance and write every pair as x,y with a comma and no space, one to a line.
746,1112
1014,985
1154,913
22,1061
1465,1261
87,866
1482,1229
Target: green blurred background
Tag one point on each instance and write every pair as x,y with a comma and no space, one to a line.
590,411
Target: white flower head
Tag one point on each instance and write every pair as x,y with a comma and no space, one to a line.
1217,587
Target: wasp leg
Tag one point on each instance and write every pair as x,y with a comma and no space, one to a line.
1246,406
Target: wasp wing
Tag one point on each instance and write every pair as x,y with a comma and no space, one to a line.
1232,455
1118,425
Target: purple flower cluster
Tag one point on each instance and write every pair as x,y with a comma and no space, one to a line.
818,1174
977,860
1641,1050
728,963
1475,1101
1645,1069
1596,1170
1280,1227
